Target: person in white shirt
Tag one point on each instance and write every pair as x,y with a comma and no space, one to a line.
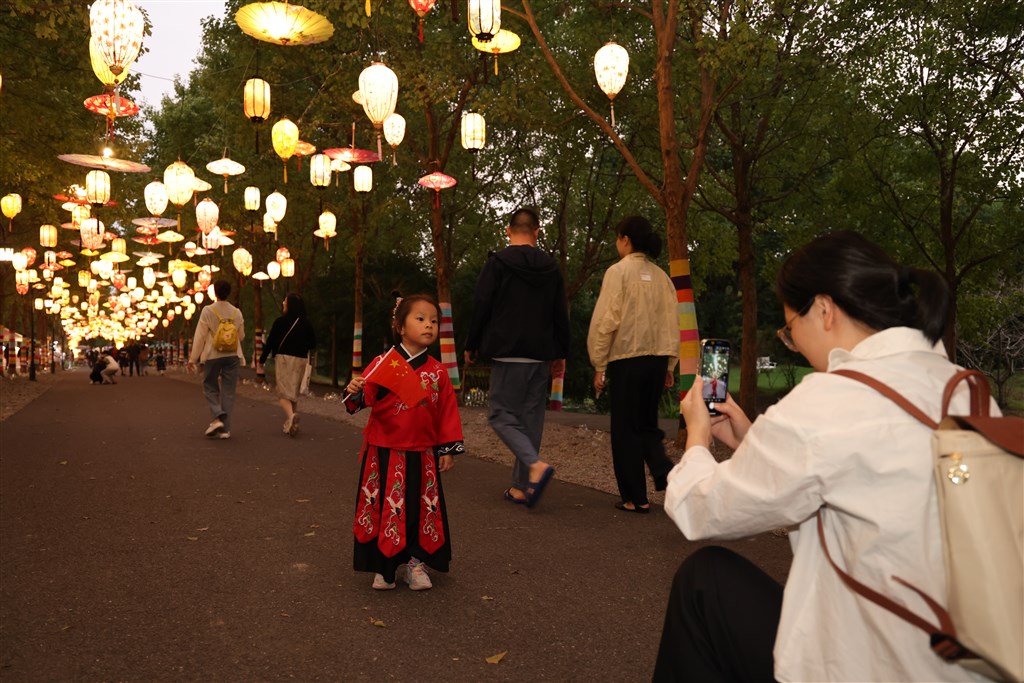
220,367
832,444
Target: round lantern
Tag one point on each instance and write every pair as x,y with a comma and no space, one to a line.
611,64
320,170
282,254
276,206
97,188
117,26
148,278
285,136
328,223
252,198
288,267
394,133
100,68
269,224
198,296
47,235
204,277
213,239
118,279
179,182
19,261
179,278
379,87
362,177
91,232
421,7
274,270
242,260
474,131
156,197
484,18
207,215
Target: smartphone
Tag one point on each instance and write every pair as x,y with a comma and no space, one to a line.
714,371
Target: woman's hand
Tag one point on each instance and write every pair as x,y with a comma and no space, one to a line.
445,463
599,383
731,427
698,421
356,385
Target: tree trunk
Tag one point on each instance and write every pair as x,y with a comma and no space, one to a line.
946,185
357,326
748,288
448,357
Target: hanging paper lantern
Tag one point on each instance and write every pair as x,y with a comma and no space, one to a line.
207,215
119,279
283,24
214,239
47,235
269,224
108,78
327,223
276,205
19,261
179,183
97,188
288,267
252,198
242,260
474,131
281,254
379,86
10,205
274,270
117,26
285,136
30,254
79,214
484,19
362,178
148,278
83,278
611,64
91,233
179,278
119,246
320,170
256,100
394,133
204,277
156,198
421,7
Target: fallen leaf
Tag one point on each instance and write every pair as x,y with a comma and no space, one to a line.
284,614
63,462
377,622
203,528
302,500
314,526
494,659
486,597
309,533
192,538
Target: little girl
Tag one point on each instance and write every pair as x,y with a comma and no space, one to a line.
401,523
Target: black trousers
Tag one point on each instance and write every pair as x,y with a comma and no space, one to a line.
721,620
634,387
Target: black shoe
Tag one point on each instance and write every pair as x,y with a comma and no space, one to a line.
643,511
661,482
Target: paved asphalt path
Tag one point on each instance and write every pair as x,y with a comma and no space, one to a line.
134,549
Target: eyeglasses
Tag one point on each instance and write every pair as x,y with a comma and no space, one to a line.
785,333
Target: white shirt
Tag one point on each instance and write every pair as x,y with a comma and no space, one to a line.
836,442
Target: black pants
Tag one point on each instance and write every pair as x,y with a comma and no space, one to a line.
634,387
721,620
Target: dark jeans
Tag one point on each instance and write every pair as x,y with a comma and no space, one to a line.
721,620
634,387
518,399
220,377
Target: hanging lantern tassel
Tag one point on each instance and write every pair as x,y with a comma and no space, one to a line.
421,29
394,157
495,65
326,248
225,184
285,166
380,152
368,8
613,114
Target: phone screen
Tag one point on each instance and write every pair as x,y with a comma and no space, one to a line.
714,371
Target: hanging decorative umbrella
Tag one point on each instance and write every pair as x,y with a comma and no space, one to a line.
338,166
303,149
327,227
200,185
611,64
225,167
111,107
283,24
503,42
421,7
379,86
104,163
437,181
351,155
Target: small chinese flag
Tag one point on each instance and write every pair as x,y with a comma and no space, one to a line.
394,373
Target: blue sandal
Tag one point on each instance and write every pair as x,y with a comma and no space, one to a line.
536,489
512,499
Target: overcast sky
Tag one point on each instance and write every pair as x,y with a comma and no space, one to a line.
173,45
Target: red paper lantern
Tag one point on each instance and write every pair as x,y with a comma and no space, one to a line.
118,279
30,254
421,7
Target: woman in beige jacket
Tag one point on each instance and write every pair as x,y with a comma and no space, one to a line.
634,347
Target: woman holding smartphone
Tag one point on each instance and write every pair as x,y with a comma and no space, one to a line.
831,443
634,347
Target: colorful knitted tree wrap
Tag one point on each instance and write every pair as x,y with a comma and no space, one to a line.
357,348
689,336
448,358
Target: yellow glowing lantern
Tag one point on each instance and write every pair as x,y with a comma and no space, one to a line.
47,235
474,131
503,42
252,198
179,182
611,64
19,261
394,133
242,260
97,188
288,267
117,26
484,19
179,278
276,206
274,270
362,178
269,224
119,246
156,197
148,278
320,170
79,214
108,78
379,87
83,278
285,136
10,205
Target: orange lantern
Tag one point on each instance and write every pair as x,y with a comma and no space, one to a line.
421,7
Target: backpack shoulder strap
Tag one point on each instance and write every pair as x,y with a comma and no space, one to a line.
891,394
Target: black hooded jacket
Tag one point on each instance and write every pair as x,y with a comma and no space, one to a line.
520,308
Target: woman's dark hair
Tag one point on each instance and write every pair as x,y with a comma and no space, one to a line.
641,235
295,305
404,305
866,283
222,288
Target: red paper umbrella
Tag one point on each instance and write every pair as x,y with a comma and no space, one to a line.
64,254
352,155
147,230
437,181
79,200
111,106
147,239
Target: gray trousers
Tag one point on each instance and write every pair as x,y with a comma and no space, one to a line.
220,376
518,401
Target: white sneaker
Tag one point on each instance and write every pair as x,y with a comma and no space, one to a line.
214,427
380,584
416,576
224,435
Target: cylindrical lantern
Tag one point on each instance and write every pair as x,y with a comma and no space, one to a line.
148,278
83,278
282,254
328,223
274,270
611,64
484,18
179,278
320,170
474,131
79,214
47,235
117,26
256,100
97,187
119,245
285,136
156,198
363,178
179,182
276,206
207,215
288,267
252,198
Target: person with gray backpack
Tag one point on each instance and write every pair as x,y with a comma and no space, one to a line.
217,346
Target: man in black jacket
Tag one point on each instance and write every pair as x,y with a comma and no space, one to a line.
521,323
